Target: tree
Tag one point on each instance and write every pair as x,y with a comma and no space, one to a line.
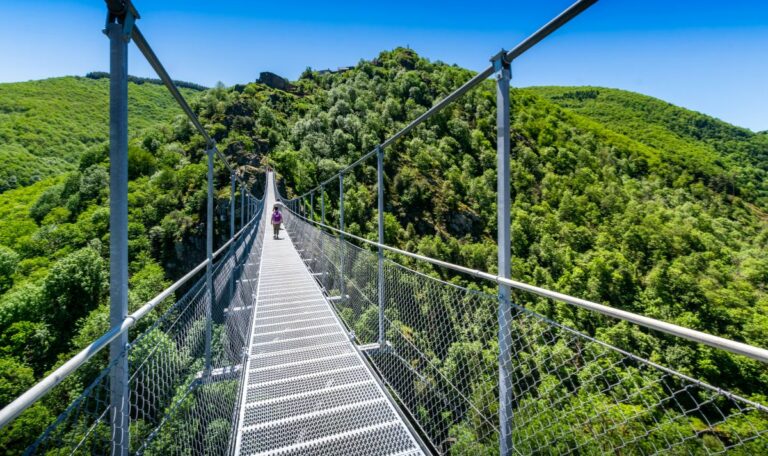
73,287
50,199
8,262
27,341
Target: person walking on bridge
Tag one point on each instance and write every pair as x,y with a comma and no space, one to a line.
277,219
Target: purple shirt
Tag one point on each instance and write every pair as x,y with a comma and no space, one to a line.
277,218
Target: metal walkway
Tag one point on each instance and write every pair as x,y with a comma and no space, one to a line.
308,389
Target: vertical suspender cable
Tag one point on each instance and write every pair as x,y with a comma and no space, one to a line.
380,191
322,218
232,235
322,204
342,288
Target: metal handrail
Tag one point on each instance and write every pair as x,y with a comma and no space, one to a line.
574,10
739,348
44,386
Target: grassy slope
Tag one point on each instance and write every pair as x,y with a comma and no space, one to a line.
46,125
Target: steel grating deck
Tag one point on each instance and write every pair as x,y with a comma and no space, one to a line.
307,388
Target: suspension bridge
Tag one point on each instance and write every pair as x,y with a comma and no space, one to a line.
321,342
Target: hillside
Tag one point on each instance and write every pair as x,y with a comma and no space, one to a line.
46,125
623,209
734,159
617,197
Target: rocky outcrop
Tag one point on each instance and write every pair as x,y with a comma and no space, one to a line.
275,81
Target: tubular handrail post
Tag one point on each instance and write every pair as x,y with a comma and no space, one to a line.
380,191
504,247
342,288
312,205
118,227
322,204
209,266
232,231
242,206
232,207
322,215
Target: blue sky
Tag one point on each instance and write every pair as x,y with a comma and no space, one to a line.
704,55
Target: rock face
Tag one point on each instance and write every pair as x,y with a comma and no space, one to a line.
274,81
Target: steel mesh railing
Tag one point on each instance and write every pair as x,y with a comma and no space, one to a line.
571,392
176,407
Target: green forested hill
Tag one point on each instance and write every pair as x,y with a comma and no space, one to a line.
733,159
617,198
634,202
46,125
622,202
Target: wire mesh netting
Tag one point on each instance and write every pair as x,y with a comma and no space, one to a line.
176,405
570,392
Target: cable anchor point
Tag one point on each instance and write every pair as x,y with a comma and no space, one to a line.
500,62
